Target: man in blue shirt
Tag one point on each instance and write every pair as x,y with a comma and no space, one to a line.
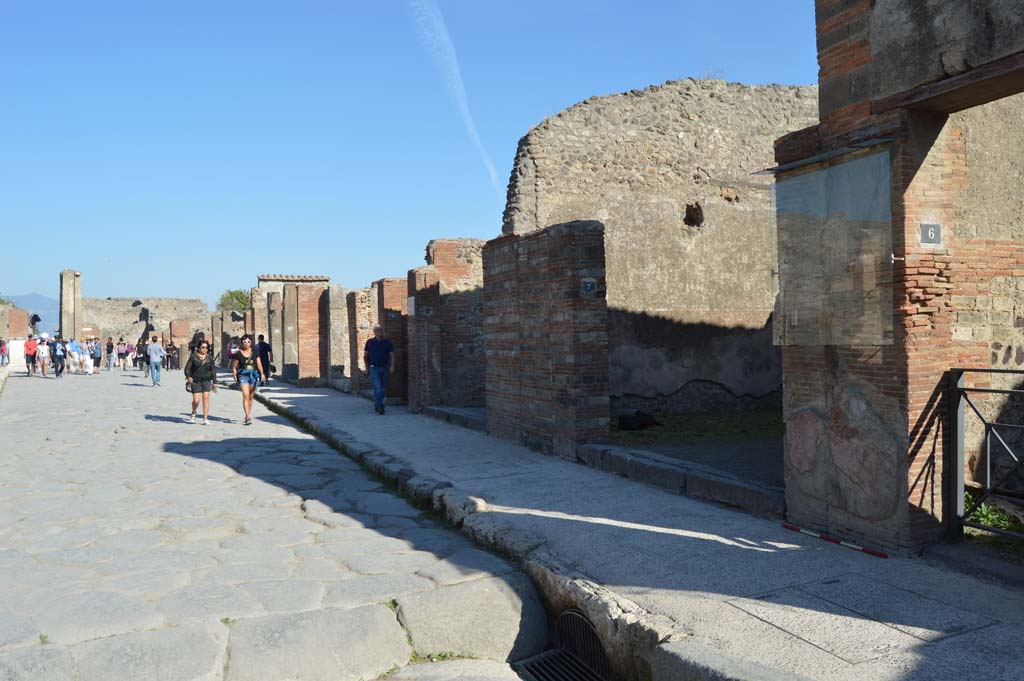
379,358
156,356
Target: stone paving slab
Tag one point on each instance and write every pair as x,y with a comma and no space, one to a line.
135,546
645,563
499,618
193,652
325,645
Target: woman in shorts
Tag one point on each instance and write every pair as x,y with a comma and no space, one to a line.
200,373
248,371
43,354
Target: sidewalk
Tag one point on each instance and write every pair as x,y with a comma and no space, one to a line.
700,586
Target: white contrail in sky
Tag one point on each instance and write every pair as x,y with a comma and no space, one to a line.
434,35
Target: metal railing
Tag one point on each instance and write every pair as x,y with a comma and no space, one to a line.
960,401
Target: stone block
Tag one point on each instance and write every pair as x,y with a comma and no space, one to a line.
500,618
325,645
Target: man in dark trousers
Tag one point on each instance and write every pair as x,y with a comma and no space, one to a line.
379,359
266,354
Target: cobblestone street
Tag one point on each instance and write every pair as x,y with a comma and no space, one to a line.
129,537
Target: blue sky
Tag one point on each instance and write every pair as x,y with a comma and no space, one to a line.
180,149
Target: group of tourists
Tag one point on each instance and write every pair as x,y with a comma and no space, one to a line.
74,356
250,367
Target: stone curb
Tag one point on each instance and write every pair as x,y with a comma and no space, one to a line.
681,660
626,629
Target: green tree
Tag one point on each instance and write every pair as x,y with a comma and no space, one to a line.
235,300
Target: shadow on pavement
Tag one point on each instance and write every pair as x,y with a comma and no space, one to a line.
352,498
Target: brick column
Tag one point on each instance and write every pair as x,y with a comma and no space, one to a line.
546,325
392,309
423,336
275,329
310,336
217,335
362,315
290,333
258,303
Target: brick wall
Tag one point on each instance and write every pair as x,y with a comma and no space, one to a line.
180,332
312,334
392,311
445,340
546,326
17,323
423,340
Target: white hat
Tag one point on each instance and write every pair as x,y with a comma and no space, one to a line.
45,335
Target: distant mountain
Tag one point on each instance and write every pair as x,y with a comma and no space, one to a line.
45,307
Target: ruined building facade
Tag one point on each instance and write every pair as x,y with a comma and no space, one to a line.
910,185
445,334
685,261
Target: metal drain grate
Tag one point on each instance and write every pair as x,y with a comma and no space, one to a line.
579,655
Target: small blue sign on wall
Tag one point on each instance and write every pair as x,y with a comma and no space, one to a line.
931,234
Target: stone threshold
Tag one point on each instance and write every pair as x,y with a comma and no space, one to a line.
471,418
682,477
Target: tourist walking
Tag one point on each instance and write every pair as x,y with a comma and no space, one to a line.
31,345
155,354
86,357
5,353
129,355
248,373
142,355
122,352
59,352
200,379
266,354
111,353
379,358
75,353
97,354
43,354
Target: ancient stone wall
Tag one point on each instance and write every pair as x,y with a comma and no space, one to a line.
445,326
130,318
988,323
915,42
71,313
689,232
335,312
362,315
546,330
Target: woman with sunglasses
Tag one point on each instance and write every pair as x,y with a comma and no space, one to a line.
200,373
248,371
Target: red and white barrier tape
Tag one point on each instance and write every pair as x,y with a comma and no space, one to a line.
835,540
